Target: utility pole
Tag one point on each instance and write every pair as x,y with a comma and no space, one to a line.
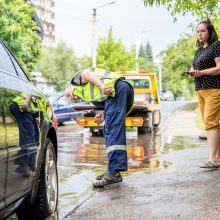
94,32
158,62
94,38
136,55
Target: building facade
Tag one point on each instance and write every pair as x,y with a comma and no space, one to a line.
46,14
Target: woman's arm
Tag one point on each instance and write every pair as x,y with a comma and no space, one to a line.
212,71
208,72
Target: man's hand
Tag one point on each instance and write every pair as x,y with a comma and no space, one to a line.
106,90
25,106
69,93
99,118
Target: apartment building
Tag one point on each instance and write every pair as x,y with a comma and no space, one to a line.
46,14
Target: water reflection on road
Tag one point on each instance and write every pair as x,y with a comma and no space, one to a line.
82,157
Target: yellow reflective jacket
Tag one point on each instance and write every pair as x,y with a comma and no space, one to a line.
33,107
91,93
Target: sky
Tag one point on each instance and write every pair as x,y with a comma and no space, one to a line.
130,19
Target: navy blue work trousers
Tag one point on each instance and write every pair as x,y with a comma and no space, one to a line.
114,128
28,136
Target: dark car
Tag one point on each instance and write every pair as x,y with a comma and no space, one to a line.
28,145
64,108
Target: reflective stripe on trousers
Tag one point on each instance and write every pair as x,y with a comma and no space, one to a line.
116,147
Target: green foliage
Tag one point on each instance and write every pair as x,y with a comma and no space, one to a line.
178,58
201,8
141,51
113,56
18,30
148,52
58,64
146,57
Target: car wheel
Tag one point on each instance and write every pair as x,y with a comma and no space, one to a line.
47,195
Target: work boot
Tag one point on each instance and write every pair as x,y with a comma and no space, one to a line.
102,175
107,180
24,170
32,168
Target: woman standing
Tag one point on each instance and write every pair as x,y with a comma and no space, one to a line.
206,73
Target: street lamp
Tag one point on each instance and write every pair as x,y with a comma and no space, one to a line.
158,62
94,32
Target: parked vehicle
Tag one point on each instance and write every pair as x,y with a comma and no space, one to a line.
64,108
166,96
28,145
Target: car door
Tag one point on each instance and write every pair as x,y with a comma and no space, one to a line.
14,83
3,156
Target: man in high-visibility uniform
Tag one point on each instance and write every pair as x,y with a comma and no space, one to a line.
23,109
109,91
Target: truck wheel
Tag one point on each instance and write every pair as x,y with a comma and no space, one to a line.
100,132
47,195
96,133
93,132
147,126
144,130
156,118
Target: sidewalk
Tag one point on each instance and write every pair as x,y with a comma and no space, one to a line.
179,190
182,122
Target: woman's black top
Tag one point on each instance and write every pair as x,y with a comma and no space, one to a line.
205,59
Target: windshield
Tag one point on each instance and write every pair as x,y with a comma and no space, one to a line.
139,83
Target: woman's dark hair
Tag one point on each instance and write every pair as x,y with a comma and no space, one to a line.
213,36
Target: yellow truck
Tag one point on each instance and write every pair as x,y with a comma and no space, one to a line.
146,112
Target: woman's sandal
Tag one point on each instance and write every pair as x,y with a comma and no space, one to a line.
107,179
210,165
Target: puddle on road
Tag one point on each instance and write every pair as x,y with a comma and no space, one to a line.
82,157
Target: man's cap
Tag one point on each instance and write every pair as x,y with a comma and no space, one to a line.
73,81
74,76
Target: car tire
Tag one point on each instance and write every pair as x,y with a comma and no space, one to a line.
47,195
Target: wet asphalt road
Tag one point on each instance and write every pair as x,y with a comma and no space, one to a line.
164,180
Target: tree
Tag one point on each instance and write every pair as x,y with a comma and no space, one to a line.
201,8
146,57
141,52
18,30
57,64
148,52
176,59
112,55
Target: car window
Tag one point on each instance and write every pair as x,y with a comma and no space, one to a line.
52,99
5,61
139,83
18,68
